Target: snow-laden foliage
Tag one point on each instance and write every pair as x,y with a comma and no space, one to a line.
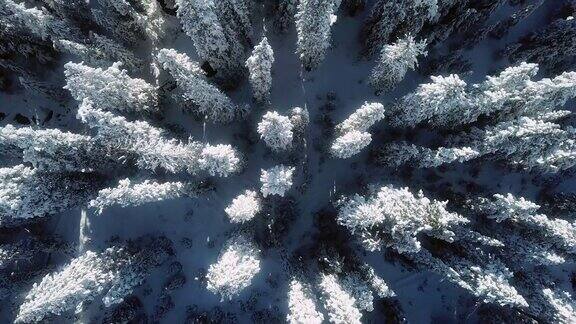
100,51
350,144
27,193
200,22
276,131
244,207
358,289
563,304
491,283
302,304
276,180
209,100
34,20
219,160
80,281
338,302
450,101
235,268
313,21
128,194
395,60
400,215
52,149
363,118
259,66
520,210
110,89
149,143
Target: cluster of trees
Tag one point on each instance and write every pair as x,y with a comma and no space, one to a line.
524,113
110,275
352,132
521,239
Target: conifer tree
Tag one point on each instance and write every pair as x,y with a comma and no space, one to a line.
110,89
363,118
394,217
313,21
339,303
395,60
259,66
210,101
36,21
302,305
350,144
244,207
54,150
219,160
149,144
127,193
276,131
28,193
276,180
200,22
238,263
234,16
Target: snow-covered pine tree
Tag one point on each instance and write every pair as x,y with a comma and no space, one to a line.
219,160
339,303
116,52
313,21
448,101
111,274
200,22
237,265
151,146
54,150
210,101
127,193
302,304
276,180
400,153
395,60
259,66
276,131
234,15
564,307
363,118
519,210
490,283
350,144
121,20
387,18
110,89
398,214
440,103
28,193
81,280
244,207
39,23
529,143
